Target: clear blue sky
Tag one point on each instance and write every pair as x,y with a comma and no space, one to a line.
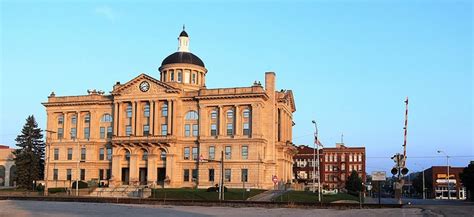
349,63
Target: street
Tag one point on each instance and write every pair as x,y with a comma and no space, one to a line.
55,209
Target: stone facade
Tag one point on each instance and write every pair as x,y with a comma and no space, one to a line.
172,131
336,164
7,167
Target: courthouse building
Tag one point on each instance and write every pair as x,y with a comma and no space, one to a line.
7,167
171,131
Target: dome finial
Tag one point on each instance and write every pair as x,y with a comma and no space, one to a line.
184,27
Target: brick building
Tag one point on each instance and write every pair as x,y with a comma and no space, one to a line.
437,176
336,164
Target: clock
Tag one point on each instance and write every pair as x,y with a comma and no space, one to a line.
144,86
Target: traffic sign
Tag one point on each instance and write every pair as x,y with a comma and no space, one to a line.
275,179
378,176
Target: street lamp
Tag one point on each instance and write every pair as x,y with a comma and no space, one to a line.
447,175
317,159
48,148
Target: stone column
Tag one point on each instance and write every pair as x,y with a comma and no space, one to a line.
133,168
203,121
237,121
116,170
169,169
221,121
151,169
78,125
116,118
255,120
156,118
151,120
65,131
170,114
134,118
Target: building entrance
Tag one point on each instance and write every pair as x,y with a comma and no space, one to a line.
161,175
143,176
125,176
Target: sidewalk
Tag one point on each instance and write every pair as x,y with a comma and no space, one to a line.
267,195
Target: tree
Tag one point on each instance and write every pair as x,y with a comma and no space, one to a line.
467,178
29,158
354,183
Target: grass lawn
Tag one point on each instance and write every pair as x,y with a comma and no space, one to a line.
305,196
201,194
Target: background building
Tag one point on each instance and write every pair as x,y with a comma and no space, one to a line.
336,164
437,176
171,131
7,167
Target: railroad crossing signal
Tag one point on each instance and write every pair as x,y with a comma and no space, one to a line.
399,160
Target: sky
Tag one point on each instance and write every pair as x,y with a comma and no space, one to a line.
350,64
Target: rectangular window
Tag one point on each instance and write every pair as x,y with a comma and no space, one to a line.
69,174
87,119
60,119
146,130
109,154
186,153
128,130
213,129
129,111
246,129
109,174
186,175
74,120
83,154
56,154
195,175
228,152
60,133
109,132
245,152
102,132
195,130
171,75
195,153
101,174
214,114
187,130
245,175
55,174
83,174
193,80
227,175
73,133
230,129
212,152
360,157
180,76
211,175
164,110
146,111
101,154
164,129
69,154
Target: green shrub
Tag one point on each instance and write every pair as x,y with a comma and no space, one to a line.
56,190
81,185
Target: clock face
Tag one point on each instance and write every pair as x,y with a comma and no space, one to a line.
144,86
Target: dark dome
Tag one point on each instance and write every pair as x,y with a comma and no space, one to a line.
183,57
183,33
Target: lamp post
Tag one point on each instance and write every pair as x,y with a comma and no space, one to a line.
48,148
447,175
317,159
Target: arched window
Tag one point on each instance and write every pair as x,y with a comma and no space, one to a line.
192,115
12,175
145,155
163,155
127,155
2,175
106,118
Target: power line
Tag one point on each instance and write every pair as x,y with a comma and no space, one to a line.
409,157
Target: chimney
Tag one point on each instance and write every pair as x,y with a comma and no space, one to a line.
270,82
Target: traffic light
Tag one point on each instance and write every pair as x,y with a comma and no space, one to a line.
394,171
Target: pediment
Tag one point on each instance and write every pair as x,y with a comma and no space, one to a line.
132,87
